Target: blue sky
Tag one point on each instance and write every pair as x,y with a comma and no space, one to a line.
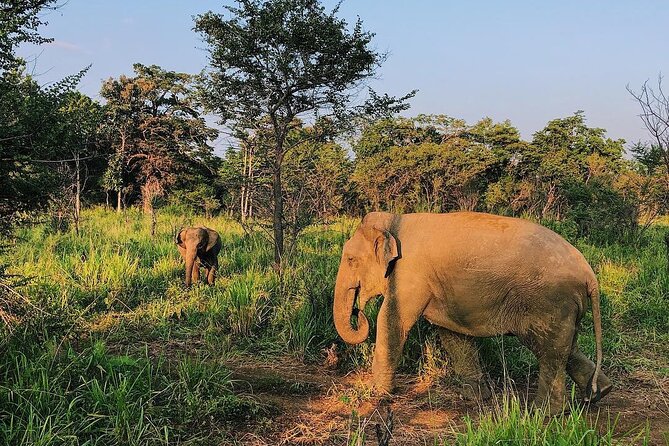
527,61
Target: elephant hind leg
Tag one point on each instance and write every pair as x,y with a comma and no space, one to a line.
552,345
581,369
212,267
464,357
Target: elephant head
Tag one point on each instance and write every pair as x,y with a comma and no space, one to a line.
194,242
366,263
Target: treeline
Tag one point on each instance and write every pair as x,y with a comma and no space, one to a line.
567,172
289,164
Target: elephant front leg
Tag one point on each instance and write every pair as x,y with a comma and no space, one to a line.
464,358
393,325
195,276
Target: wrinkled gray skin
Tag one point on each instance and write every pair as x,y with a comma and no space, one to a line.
199,247
472,275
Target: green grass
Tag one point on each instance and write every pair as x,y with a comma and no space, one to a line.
55,396
77,369
511,423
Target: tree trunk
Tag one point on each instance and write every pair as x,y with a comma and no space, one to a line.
278,215
249,201
242,201
666,242
119,197
154,221
77,195
245,201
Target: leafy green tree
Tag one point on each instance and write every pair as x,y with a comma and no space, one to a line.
428,163
19,20
28,114
33,126
315,185
272,61
80,119
157,132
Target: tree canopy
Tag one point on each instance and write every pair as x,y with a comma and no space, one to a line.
274,61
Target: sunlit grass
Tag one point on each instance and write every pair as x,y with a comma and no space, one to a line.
511,422
115,286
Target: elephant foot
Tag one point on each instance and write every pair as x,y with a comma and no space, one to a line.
553,406
381,389
472,390
604,387
382,386
591,398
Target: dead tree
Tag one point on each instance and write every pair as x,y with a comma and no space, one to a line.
151,192
655,115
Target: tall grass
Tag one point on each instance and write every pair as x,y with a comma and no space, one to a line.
115,285
511,423
92,396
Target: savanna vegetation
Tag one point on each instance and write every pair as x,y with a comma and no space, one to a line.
100,342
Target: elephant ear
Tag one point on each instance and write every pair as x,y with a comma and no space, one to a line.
212,239
178,239
386,249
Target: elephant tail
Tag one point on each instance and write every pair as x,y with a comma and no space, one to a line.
594,392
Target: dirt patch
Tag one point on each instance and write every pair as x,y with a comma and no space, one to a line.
317,406
311,404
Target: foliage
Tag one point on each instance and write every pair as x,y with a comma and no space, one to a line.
413,165
156,131
277,60
39,132
40,127
119,288
568,171
19,20
513,424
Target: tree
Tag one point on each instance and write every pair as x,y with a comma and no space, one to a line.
80,118
315,183
426,176
157,132
566,152
32,129
654,105
19,21
430,163
272,61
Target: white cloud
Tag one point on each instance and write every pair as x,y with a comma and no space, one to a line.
65,45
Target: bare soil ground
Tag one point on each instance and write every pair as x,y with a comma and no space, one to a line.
314,404
310,404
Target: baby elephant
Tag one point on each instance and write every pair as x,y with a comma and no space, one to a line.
199,246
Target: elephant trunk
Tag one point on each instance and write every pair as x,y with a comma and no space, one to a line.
343,310
191,254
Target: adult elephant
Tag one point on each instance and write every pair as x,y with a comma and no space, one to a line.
472,275
199,246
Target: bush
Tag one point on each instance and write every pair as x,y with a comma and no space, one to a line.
599,211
